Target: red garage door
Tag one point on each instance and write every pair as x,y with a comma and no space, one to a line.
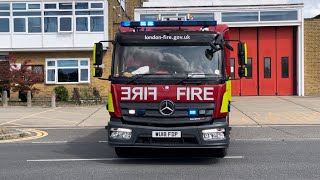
270,61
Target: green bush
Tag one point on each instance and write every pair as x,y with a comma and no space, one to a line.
62,93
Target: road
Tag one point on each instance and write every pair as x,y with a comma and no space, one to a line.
271,152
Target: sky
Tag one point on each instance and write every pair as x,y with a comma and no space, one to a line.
311,8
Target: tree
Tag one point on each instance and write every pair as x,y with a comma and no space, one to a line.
19,77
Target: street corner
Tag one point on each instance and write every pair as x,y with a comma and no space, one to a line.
16,135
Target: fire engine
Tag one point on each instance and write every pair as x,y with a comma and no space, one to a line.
170,85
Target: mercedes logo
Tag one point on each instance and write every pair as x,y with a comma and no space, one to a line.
166,107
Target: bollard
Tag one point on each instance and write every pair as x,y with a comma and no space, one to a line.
29,104
53,99
5,99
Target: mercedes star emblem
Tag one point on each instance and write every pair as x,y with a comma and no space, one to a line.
166,107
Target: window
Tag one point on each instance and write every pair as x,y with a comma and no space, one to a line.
5,6
65,5
239,16
285,67
232,67
50,6
33,6
88,17
202,16
34,24
50,24
96,24
278,15
96,5
64,71
249,68
19,6
82,24
4,27
19,24
149,17
267,67
82,5
65,24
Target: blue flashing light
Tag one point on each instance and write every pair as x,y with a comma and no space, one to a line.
143,23
193,112
167,23
125,24
150,23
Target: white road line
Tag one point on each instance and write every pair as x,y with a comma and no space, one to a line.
28,116
49,142
103,141
275,125
115,159
70,128
262,139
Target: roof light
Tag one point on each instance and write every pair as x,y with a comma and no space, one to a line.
167,23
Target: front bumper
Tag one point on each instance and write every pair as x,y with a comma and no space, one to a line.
191,136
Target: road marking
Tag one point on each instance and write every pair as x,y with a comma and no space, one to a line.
39,134
275,125
103,141
262,139
49,142
116,159
28,116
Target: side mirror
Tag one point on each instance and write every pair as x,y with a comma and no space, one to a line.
97,72
97,54
242,72
242,54
242,59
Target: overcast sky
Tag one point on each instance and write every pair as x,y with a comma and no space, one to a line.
311,8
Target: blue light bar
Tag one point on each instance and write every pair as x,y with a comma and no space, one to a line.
167,23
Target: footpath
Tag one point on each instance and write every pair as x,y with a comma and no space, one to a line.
245,111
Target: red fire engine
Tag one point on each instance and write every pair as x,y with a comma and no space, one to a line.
170,85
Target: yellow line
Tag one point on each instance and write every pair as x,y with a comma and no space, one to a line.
39,134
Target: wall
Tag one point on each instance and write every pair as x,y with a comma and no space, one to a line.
312,56
46,89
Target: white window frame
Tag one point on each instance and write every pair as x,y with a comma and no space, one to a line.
55,68
71,24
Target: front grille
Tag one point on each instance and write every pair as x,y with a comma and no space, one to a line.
153,116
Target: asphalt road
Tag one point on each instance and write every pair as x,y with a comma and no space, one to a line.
255,153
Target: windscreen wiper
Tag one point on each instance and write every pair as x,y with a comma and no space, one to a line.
138,76
193,74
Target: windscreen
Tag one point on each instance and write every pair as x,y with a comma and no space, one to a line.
166,59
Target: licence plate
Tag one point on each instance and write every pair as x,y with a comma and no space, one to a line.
166,134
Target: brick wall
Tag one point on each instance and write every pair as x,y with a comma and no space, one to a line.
312,56
38,58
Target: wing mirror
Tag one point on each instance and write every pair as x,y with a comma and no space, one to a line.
242,59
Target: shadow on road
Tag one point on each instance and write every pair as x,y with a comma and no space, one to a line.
89,147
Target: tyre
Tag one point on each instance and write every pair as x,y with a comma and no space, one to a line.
122,152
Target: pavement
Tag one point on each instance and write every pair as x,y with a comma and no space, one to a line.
245,111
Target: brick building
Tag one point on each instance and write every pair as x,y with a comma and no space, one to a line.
58,36
312,56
